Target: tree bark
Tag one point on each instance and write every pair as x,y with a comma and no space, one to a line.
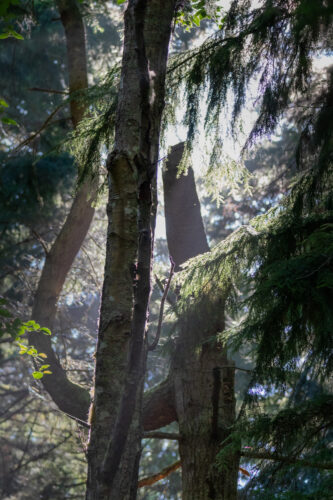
184,227
121,349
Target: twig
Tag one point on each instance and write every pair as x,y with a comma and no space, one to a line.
171,301
49,91
153,345
147,481
40,240
35,134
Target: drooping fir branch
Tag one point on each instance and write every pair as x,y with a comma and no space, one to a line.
274,43
286,460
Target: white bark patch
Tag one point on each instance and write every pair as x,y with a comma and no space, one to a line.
152,76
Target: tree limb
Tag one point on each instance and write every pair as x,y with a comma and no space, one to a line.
148,481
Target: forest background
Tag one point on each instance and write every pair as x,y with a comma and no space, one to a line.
274,272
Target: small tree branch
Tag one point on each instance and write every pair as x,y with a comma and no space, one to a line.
154,344
36,134
161,435
148,481
49,91
287,460
160,285
38,237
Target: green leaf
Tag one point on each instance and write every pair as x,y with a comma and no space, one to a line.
37,375
21,331
11,33
45,330
31,325
4,105
9,121
43,367
119,2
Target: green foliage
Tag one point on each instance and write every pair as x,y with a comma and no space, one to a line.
11,10
15,328
272,43
190,13
276,278
95,132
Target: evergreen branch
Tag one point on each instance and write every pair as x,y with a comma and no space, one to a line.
287,460
148,481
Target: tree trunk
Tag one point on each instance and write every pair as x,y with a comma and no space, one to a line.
70,398
121,350
202,375
184,227
205,405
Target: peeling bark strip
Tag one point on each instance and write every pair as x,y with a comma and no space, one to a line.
121,349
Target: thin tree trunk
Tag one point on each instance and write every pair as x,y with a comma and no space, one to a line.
70,397
121,350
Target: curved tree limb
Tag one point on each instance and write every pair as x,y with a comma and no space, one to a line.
70,397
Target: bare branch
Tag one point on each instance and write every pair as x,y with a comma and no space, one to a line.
148,481
154,344
49,91
162,435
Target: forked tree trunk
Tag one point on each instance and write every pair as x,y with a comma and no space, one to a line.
121,349
201,375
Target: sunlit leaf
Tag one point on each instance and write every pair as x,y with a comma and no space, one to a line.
45,330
